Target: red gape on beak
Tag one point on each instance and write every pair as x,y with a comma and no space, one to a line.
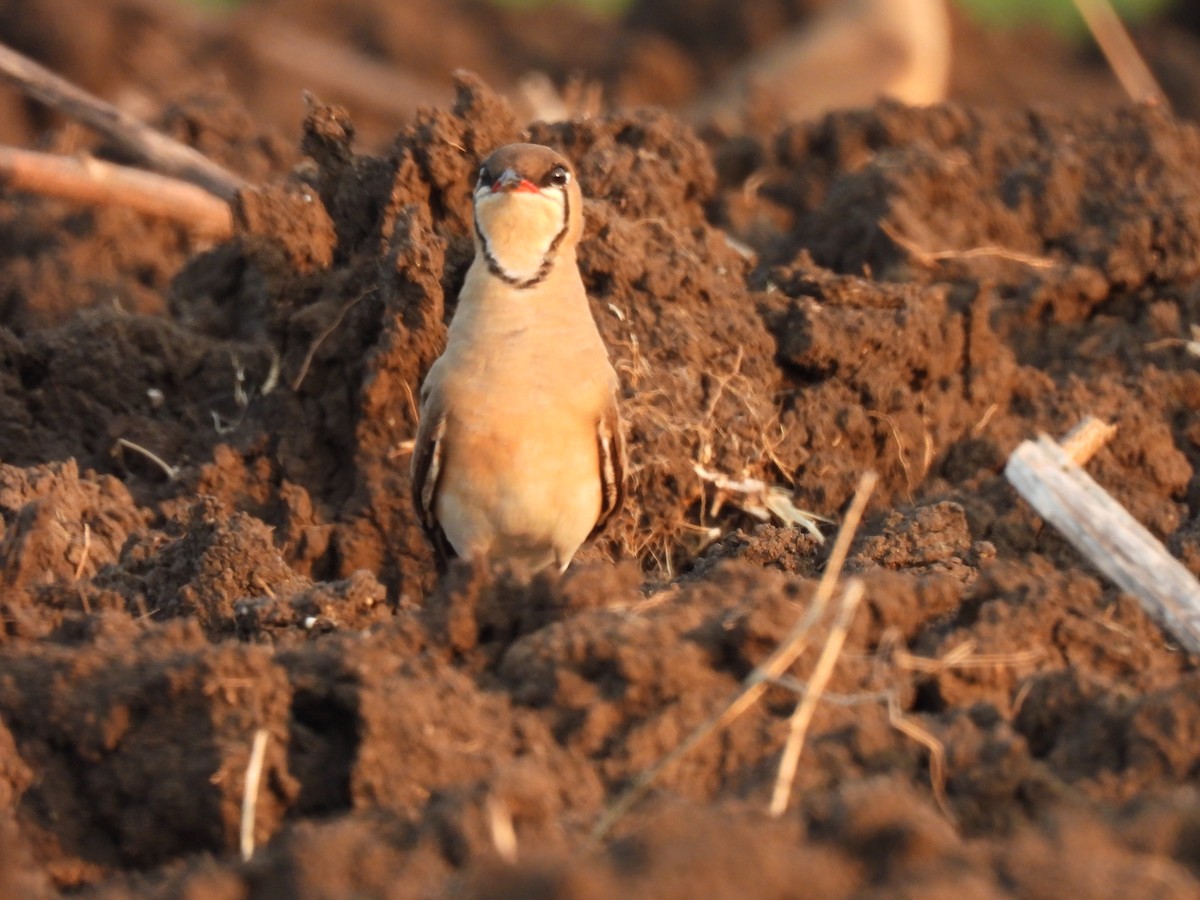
511,181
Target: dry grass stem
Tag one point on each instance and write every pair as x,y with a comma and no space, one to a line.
978,427
92,181
87,547
723,384
753,686
851,595
413,409
664,429
891,651
404,448
787,682
171,471
759,499
322,337
1122,55
901,456
272,379
964,657
910,728
1020,697
930,449
258,753
1190,344
931,257
504,835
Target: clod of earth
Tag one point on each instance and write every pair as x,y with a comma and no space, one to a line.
248,594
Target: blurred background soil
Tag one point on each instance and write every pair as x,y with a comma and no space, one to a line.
205,530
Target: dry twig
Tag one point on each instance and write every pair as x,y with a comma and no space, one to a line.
258,752
83,555
171,471
321,338
910,728
759,499
928,257
134,137
504,835
753,686
901,454
1123,57
802,717
1108,536
963,657
93,181
891,650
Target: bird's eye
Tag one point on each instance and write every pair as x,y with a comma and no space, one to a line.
558,176
485,176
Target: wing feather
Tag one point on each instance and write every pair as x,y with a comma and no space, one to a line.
610,441
426,473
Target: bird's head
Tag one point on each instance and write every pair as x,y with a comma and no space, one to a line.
528,212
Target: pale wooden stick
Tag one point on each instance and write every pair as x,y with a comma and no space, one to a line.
258,752
1122,55
851,594
151,147
772,667
1108,536
107,184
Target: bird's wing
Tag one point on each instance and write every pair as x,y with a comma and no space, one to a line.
610,441
426,471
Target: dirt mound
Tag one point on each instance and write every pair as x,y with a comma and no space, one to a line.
206,540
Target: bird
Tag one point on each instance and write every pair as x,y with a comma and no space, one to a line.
849,54
520,456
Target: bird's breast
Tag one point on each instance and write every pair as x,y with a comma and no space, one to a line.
521,474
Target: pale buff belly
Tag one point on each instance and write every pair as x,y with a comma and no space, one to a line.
525,491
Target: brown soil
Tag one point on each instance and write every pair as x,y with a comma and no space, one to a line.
205,528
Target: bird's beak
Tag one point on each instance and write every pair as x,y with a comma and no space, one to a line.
511,181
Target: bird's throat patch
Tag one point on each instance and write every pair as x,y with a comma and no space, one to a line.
520,231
